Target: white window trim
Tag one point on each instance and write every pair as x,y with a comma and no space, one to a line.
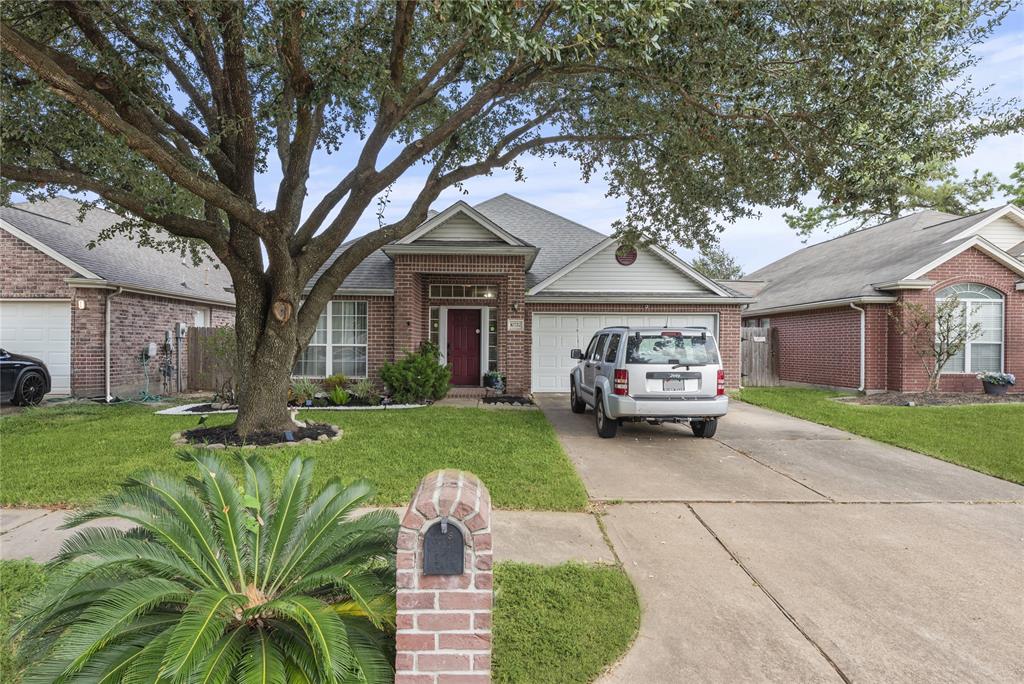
328,356
967,347
442,335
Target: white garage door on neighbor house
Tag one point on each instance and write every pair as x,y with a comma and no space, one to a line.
41,329
554,335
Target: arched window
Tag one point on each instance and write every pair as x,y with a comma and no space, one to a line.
980,305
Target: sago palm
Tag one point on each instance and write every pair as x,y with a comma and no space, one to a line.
221,582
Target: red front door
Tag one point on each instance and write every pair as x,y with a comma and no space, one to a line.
464,346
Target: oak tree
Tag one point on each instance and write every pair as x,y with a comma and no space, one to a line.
171,113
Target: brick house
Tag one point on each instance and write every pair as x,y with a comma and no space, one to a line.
508,286
833,304
89,313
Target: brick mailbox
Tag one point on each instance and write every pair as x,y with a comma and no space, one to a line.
445,582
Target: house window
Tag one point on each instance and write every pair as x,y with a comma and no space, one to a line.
435,325
981,305
492,339
341,330
463,292
348,338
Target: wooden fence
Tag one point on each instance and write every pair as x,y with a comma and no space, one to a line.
203,369
759,349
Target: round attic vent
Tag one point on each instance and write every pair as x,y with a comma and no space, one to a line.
625,255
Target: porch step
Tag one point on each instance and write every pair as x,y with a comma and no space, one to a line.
466,393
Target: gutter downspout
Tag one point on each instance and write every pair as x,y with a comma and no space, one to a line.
862,341
106,341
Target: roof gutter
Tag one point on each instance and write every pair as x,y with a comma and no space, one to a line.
862,341
101,284
106,341
823,304
628,299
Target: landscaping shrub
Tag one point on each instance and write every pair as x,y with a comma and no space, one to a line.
365,390
336,380
303,390
338,395
418,377
220,347
221,582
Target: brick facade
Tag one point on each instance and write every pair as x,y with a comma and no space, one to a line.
822,346
444,621
27,273
136,320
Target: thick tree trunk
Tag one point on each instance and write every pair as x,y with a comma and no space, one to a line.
263,389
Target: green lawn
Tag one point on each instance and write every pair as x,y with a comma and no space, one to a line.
71,455
984,437
551,624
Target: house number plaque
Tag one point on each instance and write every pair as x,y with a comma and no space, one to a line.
516,325
443,550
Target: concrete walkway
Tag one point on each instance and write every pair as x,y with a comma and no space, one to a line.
783,550
527,536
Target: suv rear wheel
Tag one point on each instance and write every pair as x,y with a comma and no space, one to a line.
575,403
704,428
606,427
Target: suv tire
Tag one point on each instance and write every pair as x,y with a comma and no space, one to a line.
575,403
606,427
704,428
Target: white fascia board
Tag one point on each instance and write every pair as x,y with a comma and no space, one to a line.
1010,211
598,298
101,284
45,249
982,245
359,291
905,284
457,208
823,304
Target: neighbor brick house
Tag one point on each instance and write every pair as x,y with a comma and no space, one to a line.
508,286
835,305
89,313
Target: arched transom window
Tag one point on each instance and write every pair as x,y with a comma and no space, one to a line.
983,306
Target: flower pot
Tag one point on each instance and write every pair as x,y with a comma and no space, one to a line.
992,388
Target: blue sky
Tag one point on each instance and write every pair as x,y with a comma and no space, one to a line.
556,184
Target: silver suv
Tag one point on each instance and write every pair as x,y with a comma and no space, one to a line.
652,374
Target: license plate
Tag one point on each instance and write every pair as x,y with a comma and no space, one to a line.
688,385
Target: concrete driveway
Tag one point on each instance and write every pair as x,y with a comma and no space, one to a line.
785,550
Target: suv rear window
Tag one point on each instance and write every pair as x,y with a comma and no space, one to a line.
670,348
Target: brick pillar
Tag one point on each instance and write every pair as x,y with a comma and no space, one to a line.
444,621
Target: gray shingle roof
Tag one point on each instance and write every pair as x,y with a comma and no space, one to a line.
847,266
55,223
558,239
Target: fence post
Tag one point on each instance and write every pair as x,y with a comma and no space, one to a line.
445,582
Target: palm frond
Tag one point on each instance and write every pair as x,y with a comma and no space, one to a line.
261,661
290,504
224,504
323,629
217,667
260,494
202,624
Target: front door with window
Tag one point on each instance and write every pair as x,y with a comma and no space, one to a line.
464,346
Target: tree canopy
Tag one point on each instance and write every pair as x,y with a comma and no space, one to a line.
695,113
716,263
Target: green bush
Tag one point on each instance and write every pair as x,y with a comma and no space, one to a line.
221,581
339,396
365,390
336,380
304,389
418,377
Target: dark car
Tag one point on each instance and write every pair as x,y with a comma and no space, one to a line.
23,379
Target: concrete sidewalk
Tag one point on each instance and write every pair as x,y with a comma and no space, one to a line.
541,537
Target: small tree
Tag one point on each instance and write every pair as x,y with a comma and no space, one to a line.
222,351
716,263
936,336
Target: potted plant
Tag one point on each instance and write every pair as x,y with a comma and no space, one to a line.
996,383
495,380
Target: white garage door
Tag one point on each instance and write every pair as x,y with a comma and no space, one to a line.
554,335
43,330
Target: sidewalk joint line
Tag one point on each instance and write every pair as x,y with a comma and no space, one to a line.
778,604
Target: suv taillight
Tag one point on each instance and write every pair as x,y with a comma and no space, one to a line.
621,386
721,382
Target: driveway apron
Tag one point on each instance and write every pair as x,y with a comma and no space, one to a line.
783,550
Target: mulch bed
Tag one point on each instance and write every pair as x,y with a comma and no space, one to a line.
933,399
509,399
226,435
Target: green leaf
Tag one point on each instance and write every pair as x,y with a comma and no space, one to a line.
261,661
201,626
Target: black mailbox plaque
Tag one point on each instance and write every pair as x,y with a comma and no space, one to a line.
443,550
